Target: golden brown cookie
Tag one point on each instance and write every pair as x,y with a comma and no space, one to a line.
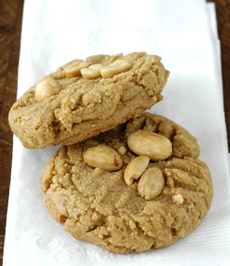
136,187
83,98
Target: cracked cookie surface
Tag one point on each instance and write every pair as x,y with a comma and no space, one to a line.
97,206
83,98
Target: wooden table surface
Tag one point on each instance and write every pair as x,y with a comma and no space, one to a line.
10,32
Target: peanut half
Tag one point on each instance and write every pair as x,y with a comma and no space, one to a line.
135,169
115,68
46,88
74,69
157,147
151,183
92,72
103,157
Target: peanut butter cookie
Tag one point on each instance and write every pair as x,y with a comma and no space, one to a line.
83,98
136,187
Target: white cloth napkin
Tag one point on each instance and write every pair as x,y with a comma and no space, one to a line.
184,34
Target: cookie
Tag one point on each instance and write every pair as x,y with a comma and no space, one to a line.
136,187
83,98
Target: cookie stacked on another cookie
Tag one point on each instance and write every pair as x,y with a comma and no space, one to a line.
127,180
83,98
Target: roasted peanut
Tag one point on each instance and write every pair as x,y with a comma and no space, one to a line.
74,69
155,146
122,150
92,72
151,183
46,88
115,68
178,199
135,169
103,157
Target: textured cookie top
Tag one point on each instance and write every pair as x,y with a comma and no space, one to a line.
84,98
105,193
